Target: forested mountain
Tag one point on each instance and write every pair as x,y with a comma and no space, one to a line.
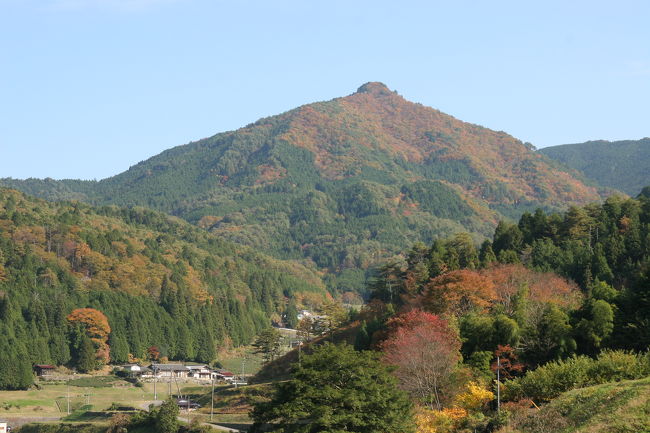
344,183
158,280
622,165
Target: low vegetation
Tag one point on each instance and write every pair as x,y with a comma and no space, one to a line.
552,379
618,407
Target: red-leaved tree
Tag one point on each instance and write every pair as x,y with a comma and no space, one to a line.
425,352
508,363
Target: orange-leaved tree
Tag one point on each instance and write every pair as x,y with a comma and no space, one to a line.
96,326
458,292
540,287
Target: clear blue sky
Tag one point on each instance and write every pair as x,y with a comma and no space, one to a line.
90,87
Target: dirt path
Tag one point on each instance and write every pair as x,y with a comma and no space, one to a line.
214,426
15,422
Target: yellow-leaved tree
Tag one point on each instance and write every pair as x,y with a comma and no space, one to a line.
475,397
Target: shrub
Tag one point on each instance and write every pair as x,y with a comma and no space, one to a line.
475,397
119,423
615,365
439,421
554,378
166,418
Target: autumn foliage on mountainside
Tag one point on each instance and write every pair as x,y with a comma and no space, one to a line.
383,121
458,292
549,304
542,287
492,304
345,183
425,351
112,249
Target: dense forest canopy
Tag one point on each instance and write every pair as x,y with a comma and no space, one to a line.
156,279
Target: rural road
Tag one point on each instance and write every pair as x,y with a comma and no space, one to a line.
214,426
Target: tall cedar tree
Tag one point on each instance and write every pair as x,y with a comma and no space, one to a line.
337,389
86,360
268,343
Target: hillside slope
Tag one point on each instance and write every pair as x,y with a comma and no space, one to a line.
622,165
344,182
159,280
611,407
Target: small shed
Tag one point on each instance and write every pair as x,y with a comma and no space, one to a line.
44,369
221,374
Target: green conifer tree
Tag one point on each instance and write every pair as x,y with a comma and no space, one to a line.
337,389
86,361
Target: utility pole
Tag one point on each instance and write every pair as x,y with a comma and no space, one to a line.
155,393
299,352
212,399
243,366
498,383
68,393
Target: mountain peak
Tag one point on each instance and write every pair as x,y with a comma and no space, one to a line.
375,88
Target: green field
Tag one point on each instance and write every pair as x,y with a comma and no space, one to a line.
92,404
52,399
252,362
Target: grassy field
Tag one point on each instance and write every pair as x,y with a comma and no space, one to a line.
619,407
252,362
52,399
91,404
231,405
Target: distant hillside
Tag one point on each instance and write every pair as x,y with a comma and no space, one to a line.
622,165
159,280
344,183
